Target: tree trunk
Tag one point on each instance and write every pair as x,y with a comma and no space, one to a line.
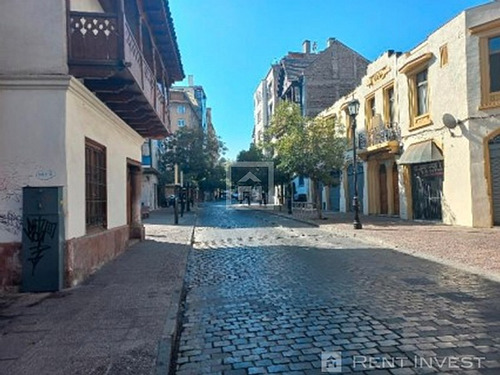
317,198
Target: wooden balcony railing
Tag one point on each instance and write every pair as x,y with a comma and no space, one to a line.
103,51
94,43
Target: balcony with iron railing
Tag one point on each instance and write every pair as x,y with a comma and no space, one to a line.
103,51
380,137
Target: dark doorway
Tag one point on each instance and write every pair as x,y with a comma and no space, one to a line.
494,146
335,192
129,195
427,189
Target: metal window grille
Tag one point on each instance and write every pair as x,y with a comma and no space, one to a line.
95,185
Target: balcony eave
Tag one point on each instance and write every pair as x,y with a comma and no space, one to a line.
388,147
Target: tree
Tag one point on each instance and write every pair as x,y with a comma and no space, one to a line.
307,147
253,153
196,153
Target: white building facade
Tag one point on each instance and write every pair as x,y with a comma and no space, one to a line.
428,127
76,126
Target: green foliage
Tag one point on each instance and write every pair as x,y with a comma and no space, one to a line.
306,147
197,154
254,153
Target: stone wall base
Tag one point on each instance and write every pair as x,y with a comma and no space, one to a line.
84,255
10,265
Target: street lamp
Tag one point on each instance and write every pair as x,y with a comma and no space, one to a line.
353,108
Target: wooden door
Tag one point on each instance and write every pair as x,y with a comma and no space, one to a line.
129,196
395,184
382,174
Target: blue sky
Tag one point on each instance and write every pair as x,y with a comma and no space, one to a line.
229,45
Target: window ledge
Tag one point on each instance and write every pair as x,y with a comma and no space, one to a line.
93,230
486,106
490,101
421,121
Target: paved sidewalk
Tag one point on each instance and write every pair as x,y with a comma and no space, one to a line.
476,250
117,322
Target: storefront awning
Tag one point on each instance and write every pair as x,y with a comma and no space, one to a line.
423,152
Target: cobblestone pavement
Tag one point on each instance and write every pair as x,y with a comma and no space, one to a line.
270,295
473,249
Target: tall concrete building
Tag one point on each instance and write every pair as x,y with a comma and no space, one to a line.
313,80
265,101
186,99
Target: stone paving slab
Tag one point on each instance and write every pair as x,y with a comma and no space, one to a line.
113,323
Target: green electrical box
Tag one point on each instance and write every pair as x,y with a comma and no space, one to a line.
43,239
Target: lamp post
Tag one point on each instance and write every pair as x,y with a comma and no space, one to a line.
353,108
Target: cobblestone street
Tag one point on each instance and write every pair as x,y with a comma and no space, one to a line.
269,295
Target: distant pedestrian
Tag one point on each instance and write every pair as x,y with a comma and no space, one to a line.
264,198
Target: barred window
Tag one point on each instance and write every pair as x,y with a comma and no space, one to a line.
95,185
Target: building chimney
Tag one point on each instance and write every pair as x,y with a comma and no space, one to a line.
190,80
306,46
330,42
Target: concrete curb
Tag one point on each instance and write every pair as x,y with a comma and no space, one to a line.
171,329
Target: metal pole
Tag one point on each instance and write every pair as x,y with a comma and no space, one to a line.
176,210
183,200
176,205
355,203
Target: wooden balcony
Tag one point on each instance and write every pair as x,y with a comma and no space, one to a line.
103,51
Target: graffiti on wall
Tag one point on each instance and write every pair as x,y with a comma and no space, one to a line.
39,231
9,190
13,177
11,222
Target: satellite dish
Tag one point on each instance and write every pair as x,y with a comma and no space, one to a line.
449,121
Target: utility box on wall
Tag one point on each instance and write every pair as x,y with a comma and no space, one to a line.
43,239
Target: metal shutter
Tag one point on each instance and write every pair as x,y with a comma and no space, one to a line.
495,177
